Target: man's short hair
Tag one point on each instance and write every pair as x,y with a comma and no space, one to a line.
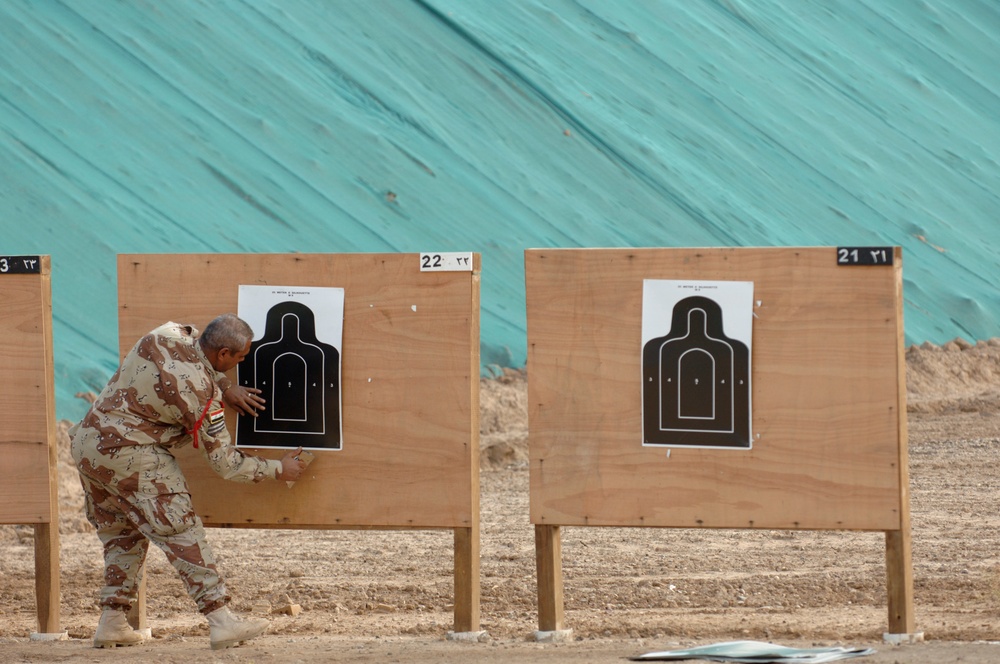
226,331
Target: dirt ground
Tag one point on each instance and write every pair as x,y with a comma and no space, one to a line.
386,596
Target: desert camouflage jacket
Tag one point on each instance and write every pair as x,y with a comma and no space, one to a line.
167,393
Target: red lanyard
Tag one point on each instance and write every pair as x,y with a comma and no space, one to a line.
194,431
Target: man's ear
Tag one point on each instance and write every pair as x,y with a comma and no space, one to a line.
212,356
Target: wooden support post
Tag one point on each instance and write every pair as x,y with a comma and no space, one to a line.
898,550
548,561
467,579
47,588
467,586
47,577
137,614
899,581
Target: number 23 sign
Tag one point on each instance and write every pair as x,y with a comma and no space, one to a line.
20,265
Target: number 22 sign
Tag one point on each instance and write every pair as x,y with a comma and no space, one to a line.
445,261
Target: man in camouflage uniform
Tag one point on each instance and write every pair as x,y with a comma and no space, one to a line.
168,391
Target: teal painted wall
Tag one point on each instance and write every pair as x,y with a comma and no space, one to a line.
476,125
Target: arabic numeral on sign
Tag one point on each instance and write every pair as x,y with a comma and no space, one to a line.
20,265
446,261
864,255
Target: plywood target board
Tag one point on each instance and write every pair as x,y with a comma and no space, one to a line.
828,393
27,401
409,378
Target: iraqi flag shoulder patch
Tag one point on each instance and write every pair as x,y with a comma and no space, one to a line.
216,422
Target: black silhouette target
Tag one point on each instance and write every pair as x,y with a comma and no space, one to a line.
299,376
696,381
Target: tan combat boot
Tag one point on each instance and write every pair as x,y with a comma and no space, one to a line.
113,630
227,630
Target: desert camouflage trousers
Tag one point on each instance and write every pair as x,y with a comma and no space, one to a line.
139,495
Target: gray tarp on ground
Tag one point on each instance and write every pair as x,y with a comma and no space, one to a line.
756,652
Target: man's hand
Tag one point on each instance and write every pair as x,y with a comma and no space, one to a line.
246,400
291,466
